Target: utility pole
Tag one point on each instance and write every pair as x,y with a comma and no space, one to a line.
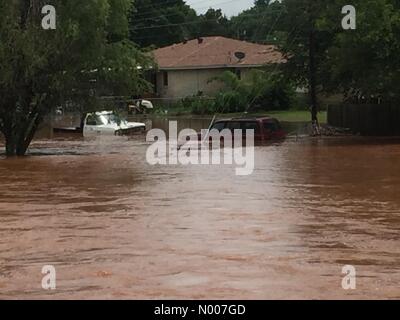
313,72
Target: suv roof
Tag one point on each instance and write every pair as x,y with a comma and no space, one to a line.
246,119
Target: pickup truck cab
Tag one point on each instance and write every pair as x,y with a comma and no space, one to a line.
109,124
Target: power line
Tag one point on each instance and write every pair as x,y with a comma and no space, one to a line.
175,24
191,6
217,4
173,14
161,5
182,23
276,21
248,39
170,1
205,21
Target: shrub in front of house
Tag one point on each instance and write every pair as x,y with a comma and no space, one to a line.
259,91
230,102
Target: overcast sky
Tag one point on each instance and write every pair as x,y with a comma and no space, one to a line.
229,7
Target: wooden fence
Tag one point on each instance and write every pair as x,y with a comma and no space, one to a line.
366,119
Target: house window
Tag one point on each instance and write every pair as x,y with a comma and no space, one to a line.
165,78
239,73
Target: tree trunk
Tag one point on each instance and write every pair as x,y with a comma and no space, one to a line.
19,139
11,145
313,84
26,139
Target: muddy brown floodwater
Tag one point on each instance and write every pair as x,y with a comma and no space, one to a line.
115,227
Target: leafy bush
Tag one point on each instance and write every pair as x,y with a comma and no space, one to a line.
191,105
259,90
230,102
301,102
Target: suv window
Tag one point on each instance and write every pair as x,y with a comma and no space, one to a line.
250,125
218,126
271,125
234,125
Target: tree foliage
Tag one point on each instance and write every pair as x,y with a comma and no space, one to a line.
160,22
257,90
262,23
40,69
364,64
308,37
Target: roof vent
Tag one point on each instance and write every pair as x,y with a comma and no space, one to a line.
240,55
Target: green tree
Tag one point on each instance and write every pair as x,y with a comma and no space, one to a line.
309,36
262,23
213,23
41,69
364,64
160,23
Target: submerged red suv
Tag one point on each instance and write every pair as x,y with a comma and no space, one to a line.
265,128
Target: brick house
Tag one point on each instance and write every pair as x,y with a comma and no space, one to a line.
184,69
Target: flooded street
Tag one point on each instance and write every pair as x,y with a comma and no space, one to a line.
115,227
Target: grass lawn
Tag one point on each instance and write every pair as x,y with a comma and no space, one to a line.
283,116
297,116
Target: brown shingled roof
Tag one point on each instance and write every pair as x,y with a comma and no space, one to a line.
215,52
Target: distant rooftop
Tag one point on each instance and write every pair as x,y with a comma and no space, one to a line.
215,52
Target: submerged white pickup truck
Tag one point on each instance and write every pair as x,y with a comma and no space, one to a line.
108,123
